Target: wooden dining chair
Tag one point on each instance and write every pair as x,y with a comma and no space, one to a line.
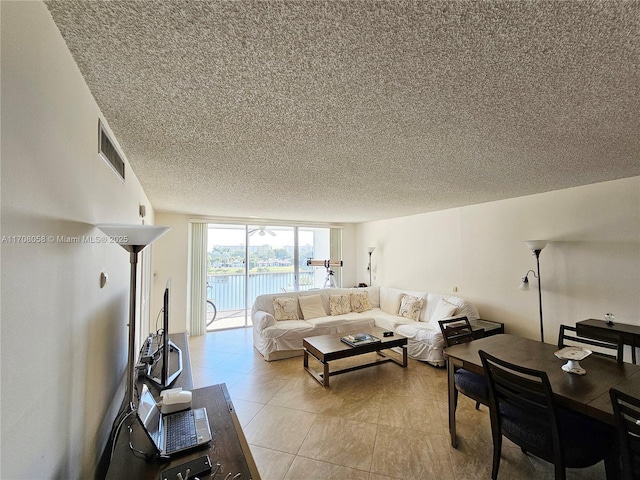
523,409
626,410
456,331
568,337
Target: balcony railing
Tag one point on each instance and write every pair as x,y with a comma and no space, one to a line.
227,291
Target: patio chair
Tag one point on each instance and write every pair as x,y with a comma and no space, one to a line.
523,409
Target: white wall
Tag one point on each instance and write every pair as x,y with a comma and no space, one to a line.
591,265
170,261
64,339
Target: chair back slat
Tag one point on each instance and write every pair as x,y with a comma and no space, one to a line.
523,409
519,389
456,331
568,337
522,392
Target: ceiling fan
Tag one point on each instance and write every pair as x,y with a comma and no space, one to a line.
261,231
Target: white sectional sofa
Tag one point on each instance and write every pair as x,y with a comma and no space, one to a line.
281,321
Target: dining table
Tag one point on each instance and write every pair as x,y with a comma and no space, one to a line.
587,394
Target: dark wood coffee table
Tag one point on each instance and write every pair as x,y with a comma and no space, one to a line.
326,348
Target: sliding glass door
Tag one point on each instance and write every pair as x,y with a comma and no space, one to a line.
226,276
245,261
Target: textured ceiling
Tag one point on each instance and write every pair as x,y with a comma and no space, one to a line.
349,111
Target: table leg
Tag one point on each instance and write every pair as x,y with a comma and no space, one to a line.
452,403
404,356
305,361
325,377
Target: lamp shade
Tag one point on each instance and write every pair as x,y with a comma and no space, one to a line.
370,249
536,244
524,285
132,237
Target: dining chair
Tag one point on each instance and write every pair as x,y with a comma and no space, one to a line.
456,331
626,410
568,337
523,409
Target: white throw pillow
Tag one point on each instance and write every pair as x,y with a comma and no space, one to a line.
390,300
311,306
339,304
374,295
360,302
442,311
410,307
285,308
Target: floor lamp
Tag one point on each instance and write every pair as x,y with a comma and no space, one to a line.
370,251
536,247
133,238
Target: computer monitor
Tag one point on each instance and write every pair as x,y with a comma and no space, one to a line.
167,363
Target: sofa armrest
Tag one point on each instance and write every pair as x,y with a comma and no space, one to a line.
262,319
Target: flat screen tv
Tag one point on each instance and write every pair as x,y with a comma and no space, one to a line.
167,362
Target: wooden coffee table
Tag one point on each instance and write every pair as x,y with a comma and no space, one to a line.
326,348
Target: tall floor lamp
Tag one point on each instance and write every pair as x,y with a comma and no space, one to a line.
370,251
133,238
536,247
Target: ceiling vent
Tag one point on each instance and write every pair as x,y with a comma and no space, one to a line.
108,152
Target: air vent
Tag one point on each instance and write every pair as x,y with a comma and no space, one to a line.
108,152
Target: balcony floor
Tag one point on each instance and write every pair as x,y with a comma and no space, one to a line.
230,319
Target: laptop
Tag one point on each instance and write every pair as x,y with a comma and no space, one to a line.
175,432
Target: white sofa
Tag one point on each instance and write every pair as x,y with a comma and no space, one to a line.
278,339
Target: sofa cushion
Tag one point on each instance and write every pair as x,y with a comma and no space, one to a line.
285,308
443,310
339,304
374,295
360,302
422,332
329,321
411,307
387,320
390,300
311,306
293,328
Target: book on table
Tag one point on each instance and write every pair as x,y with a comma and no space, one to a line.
359,339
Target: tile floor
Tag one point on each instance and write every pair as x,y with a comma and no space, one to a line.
379,423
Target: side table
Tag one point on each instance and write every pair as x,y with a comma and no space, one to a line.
485,328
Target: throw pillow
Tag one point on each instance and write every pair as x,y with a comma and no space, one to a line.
390,300
410,307
339,304
285,308
360,302
442,311
311,306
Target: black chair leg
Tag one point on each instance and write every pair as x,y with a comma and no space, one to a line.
497,451
612,466
477,405
561,472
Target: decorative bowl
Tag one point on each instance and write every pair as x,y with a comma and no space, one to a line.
573,355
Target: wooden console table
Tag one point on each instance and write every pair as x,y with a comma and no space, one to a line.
618,332
229,446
